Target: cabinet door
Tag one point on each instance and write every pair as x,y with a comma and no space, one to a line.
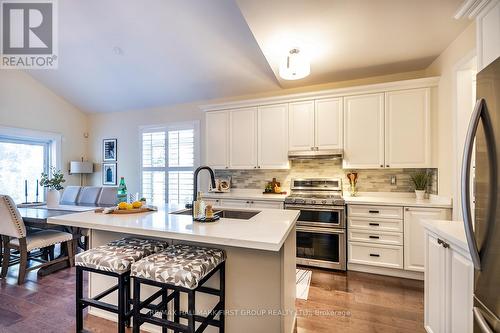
434,285
364,131
407,129
234,203
273,137
217,132
488,34
301,126
243,138
328,123
414,234
460,286
264,204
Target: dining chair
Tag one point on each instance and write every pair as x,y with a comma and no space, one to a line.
70,195
14,236
88,195
108,196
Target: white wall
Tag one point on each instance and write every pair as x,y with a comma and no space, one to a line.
125,127
445,66
27,104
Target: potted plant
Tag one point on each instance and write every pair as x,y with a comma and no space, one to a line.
53,185
421,181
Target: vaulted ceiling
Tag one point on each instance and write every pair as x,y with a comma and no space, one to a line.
119,55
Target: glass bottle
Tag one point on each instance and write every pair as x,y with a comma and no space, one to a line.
122,191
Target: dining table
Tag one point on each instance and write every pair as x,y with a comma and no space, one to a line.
36,217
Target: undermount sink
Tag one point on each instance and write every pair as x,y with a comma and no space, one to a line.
223,213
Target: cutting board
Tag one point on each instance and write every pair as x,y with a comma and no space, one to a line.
126,211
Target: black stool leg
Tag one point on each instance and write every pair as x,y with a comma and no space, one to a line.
137,301
164,314
222,288
121,303
127,300
79,296
191,310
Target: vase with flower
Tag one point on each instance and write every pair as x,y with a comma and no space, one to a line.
353,179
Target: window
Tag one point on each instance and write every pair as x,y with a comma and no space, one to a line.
21,162
169,156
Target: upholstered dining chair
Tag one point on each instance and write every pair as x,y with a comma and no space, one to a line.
70,195
108,196
88,195
14,236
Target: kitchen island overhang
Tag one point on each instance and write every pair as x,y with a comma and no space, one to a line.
260,266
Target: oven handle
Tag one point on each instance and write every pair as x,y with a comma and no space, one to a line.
321,230
337,208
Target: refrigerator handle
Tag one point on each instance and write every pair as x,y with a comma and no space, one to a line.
481,321
480,113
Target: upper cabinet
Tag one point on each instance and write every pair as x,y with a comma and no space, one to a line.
217,139
316,125
328,125
364,131
273,128
243,138
391,130
387,125
407,129
301,126
488,34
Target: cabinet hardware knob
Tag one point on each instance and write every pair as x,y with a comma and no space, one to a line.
258,167
251,202
381,165
255,167
374,237
374,255
387,166
374,224
407,209
227,167
374,211
248,202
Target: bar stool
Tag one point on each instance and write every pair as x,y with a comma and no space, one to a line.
113,259
179,268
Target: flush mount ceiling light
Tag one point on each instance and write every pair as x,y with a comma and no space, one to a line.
295,66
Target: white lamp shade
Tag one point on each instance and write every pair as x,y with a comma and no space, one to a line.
295,66
81,167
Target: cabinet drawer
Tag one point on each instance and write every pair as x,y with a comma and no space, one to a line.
265,204
386,212
378,237
375,254
375,224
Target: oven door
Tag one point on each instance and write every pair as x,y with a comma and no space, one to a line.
317,216
321,247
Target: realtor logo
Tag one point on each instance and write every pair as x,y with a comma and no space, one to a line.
28,34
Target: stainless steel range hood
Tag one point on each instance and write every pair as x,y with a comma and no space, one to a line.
327,154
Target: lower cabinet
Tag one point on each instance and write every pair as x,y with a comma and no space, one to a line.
414,234
449,275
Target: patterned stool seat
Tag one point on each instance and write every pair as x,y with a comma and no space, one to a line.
118,256
179,265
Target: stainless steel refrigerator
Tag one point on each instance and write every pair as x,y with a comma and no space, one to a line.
483,229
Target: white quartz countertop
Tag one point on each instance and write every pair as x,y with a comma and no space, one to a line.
451,231
391,200
265,231
246,195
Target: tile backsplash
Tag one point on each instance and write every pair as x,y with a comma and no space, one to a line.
376,180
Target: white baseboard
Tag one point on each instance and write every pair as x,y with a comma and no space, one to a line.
386,271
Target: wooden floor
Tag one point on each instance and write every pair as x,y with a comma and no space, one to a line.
338,302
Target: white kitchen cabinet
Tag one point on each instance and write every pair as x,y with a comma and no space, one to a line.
328,124
217,139
414,242
234,203
243,138
265,204
245,203
407,129
364,131
448,287
273,137
488,34
301,126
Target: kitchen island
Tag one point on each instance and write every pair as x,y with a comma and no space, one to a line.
260,266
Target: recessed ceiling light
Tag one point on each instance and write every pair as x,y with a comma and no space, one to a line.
295,66
117,50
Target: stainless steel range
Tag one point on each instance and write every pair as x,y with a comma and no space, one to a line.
321,231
